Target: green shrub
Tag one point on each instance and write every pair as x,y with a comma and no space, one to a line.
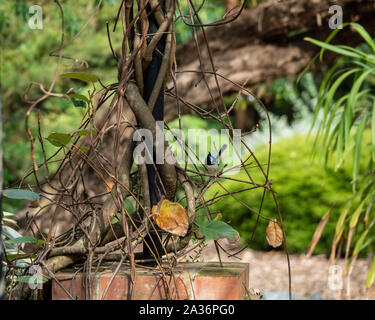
305,192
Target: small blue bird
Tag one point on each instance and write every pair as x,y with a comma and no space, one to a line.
212,160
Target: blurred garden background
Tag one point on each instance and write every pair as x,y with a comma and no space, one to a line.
311,172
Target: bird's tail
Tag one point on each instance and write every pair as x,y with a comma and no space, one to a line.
224,146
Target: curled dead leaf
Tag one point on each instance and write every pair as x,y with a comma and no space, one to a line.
274,234
171,217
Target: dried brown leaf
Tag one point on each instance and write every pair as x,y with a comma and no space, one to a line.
318,232
274,234
171,217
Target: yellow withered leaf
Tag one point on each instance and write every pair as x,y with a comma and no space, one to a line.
274,234
109,185
171,217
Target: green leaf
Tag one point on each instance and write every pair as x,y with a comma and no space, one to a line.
364,34
78,96
59,139
333,48
340,222
328,102
78,99
215,230
326,138
344,50
354,219
21,194
25,239
86,77
79,103
83,132
371,275
330,37
353,97
41,242
340,139
24,279
334,88
357,148
80,132
359,244
347,121
83,149
322,89
373,130
27,279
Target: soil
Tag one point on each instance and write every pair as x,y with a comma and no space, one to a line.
312,278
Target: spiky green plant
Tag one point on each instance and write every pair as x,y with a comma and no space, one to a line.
345,110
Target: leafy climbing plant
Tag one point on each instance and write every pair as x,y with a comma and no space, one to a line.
344,113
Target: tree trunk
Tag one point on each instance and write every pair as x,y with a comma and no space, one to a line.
155,188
